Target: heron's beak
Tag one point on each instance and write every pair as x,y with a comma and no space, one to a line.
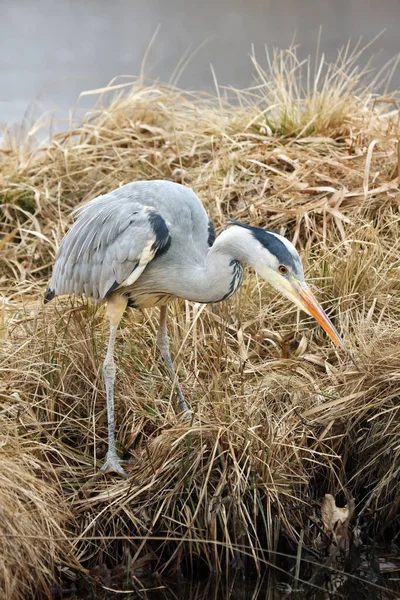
306,299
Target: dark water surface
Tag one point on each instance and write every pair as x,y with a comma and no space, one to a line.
236,588
51,50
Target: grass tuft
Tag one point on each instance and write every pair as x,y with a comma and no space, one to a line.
34,517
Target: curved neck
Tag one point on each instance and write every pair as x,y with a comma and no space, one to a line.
235,242
210,277
220,275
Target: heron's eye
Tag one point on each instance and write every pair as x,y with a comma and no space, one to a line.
283,269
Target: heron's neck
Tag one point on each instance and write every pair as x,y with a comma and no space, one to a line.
221,274
210,278
235,243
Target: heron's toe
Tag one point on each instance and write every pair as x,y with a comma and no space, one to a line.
113,464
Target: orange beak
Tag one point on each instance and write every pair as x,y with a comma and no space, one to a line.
306,299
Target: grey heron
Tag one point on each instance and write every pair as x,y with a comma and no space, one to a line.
148,242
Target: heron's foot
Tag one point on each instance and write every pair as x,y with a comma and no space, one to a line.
113,464
187,414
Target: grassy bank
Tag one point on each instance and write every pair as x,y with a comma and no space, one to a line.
281,417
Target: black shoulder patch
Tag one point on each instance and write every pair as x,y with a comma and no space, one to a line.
49,295
271,243
211,233
161,231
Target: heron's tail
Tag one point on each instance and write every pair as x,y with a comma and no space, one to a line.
49,295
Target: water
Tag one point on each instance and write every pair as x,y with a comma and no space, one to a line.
236,588
51,50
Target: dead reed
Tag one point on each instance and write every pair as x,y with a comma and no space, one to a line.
281,418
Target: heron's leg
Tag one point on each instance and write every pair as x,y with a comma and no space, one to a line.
163,344
115,308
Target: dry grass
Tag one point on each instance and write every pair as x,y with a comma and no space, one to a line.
33,518
281,418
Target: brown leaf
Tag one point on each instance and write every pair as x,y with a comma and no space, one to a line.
332,515
336,521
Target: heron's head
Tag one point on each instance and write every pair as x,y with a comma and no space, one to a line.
277,261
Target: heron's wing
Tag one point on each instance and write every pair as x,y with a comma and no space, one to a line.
108,246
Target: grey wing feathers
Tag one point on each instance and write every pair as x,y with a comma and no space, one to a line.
109,245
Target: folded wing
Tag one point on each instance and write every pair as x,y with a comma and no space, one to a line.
108,246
